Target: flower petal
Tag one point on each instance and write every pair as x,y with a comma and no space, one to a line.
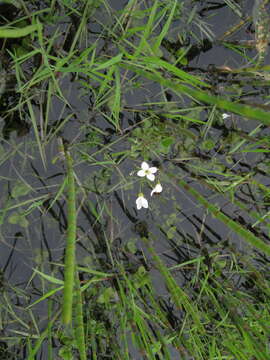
144,202
139,203
153,170
144,166
150,177
141,173
157,189
225,116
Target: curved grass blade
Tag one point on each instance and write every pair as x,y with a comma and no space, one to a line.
204,96
233,225
148,28
6,32
49,278
33,351
179,296
165,27
45,296
35,127
41,338
181,74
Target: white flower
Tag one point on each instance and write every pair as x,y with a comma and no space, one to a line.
157,189
147,171
141,201
225,116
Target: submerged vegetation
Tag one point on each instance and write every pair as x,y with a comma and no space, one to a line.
146,234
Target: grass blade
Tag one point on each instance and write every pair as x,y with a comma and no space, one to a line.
233,225
180,298
6,32
244,110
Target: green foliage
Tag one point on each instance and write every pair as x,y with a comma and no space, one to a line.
20,189
208,145
18,219
107,295
152,138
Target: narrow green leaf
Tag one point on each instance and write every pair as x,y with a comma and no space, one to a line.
45,296
204,96
233,225
165,28
116,59
6,32
49,278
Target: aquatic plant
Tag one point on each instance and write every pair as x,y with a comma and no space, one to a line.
85,274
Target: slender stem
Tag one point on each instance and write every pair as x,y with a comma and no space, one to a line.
70,243
79,325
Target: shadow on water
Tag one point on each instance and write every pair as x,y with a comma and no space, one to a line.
112,234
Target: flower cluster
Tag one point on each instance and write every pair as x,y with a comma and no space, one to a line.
149,173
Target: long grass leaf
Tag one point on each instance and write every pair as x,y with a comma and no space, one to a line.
114,60
180,298
35,127
148,28
45,296
49,278
233,225
6,32
220,102
117,99
157,62
165,28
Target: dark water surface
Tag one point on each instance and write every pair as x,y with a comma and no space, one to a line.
40,241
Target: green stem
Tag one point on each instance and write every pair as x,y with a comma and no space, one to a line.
70,243
79,325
